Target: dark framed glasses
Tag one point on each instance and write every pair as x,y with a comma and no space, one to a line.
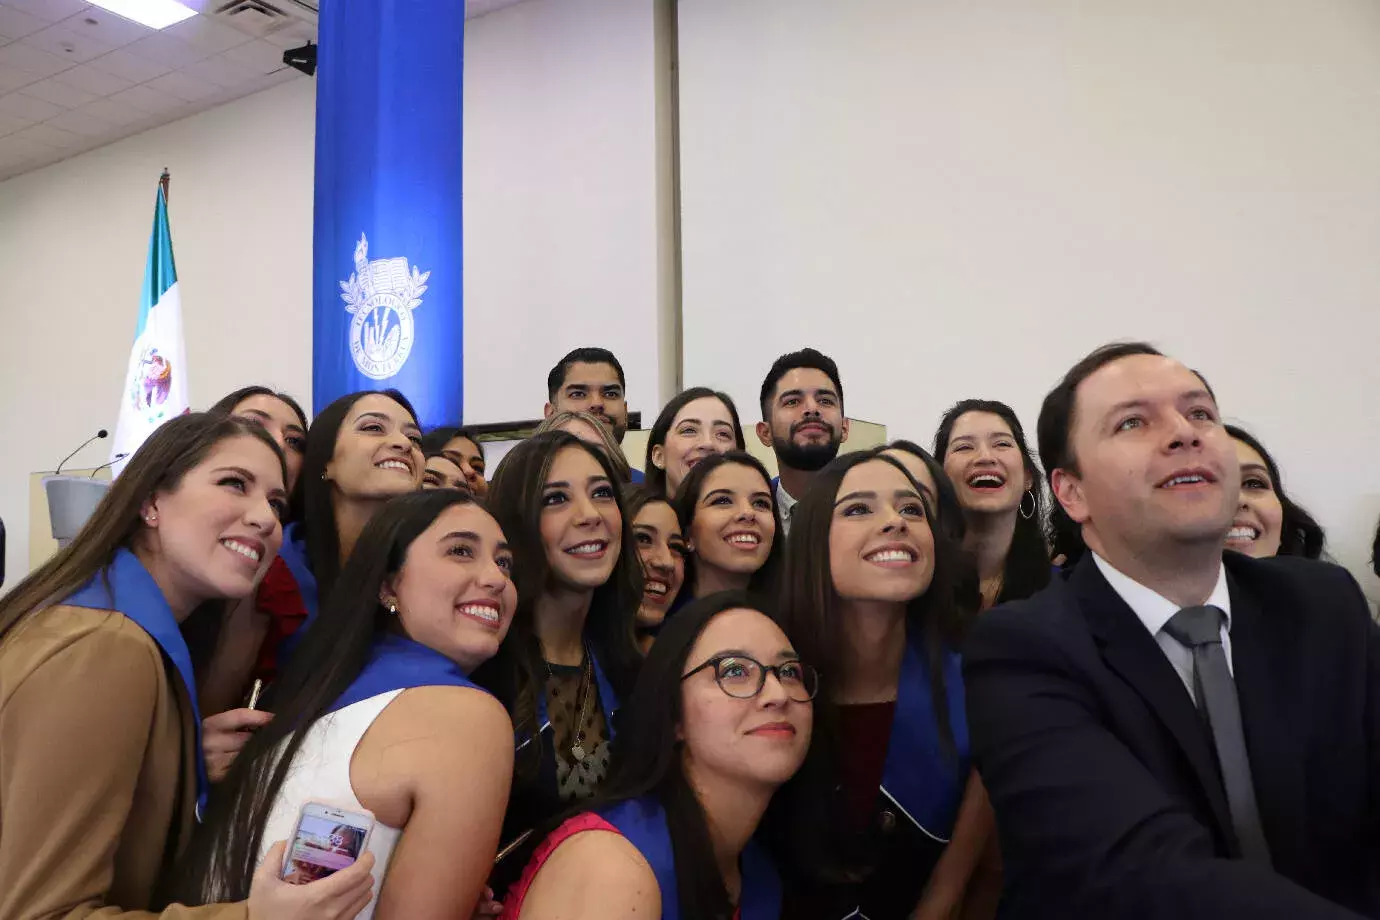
743,678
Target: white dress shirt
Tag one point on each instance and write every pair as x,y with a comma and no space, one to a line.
1155,610
784,506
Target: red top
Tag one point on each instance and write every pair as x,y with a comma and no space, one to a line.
585,821
279,598
865,734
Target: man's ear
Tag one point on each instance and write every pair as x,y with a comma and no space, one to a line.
548,411
1068,492
843,432
763,433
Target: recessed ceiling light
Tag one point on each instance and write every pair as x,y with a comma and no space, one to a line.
156,14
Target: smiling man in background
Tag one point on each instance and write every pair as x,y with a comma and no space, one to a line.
802,421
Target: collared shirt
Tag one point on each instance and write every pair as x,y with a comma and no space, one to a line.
1155,610
784,505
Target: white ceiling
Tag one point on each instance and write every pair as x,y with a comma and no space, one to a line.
74,77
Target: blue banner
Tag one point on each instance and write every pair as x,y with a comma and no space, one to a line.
388,297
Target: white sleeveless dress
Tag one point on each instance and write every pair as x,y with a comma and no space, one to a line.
321,773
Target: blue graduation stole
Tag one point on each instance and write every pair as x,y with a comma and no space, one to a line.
399,663
294,553
925,783
608,702
133,592
643,822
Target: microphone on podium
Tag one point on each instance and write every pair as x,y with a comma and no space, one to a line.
111,462
95,437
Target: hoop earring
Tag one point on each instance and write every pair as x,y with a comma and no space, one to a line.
1033,506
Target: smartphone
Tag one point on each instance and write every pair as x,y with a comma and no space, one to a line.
326,840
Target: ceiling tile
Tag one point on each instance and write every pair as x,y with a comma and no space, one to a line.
184,86
74,47
294,35
221,71
26,106
52,137
32,60
49,10
90,79
83,123
205,32
149,100
169,50
10,78
15,25
106,27
116,112
130,66
60,94
16,147
12,123
257,55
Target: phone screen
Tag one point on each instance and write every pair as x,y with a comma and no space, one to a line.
323,846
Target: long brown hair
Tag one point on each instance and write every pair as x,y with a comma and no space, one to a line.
158,466
812,611
611,445
516,674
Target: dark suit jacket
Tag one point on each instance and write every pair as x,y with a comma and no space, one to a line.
1103,776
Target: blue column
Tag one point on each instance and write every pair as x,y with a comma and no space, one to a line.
388,297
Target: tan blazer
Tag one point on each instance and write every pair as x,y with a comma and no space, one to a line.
97,770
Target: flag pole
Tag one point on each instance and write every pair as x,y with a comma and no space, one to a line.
164,180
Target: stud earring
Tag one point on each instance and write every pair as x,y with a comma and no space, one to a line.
151,517
393,608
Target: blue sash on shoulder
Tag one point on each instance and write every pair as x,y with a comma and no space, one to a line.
643,822
133,592
399,663
925,783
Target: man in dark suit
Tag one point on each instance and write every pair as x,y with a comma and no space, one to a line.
1165,732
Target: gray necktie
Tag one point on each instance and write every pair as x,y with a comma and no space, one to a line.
1200,629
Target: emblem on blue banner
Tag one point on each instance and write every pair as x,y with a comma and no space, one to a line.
382,295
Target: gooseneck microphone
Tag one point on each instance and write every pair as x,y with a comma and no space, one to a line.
111,462
95,437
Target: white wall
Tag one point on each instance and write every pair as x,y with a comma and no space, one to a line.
562,210
562,196
959,199
73,240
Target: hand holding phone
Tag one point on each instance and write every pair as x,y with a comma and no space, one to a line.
326,840
340,897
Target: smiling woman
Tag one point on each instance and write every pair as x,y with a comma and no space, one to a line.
362,450
570,656
1268,522
982,446
733,530
695,424
98,703
870,597
424,599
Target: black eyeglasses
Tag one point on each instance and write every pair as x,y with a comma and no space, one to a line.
743,678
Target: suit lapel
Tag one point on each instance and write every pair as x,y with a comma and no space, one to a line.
1129,650
1265,653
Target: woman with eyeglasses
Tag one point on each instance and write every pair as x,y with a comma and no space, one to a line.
717,746
870,600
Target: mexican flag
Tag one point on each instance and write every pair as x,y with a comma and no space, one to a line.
156,381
